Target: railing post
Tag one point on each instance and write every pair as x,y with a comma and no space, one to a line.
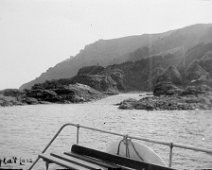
126,138
170,154
48,145
78,128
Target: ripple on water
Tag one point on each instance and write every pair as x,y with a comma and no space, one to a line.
25,130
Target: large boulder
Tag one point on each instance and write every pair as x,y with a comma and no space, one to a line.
62,91
65,94
159,103
29,100
196,90
9,101
11,92
166,88
128,103
84,93
43,95
108,80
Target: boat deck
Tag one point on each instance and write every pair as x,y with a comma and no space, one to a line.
83,158
80,158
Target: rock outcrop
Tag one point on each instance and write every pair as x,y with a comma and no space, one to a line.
190,98
172,91
50,93
166,88
162,67
159,103
106,80
168,96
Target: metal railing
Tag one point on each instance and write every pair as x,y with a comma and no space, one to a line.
78,126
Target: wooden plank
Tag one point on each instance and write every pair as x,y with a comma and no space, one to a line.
76,161
63,163
116,159
95,161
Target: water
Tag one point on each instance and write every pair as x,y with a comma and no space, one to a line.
25,130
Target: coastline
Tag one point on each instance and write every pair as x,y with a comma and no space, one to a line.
74,93
35,125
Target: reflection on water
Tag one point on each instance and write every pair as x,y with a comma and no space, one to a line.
25,130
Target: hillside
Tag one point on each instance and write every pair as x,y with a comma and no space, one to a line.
132,48
141,75
185,83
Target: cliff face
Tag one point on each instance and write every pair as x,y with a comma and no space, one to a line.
144,74
180,87
165,74
107,80
133,48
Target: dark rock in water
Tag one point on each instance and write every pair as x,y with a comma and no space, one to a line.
169,97
136,104
10,97
11,92
196,90
205,102
166,88
72,93
128,104
158,103
43,95
9,101
44,102
30,100
50,92
145,105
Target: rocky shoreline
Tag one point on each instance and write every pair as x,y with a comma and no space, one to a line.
90,83
166,103
188,89
73,93
191,98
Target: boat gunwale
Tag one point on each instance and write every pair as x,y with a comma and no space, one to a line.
78,126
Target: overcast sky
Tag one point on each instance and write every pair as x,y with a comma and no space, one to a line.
37,34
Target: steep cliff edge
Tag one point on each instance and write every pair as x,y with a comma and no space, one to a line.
132,48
